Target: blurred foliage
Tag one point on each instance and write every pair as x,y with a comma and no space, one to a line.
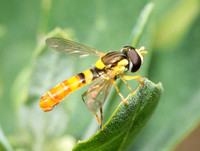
171,36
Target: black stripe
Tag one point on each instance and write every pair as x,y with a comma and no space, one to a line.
82,77
94,73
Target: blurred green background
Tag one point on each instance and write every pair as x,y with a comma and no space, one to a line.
28,69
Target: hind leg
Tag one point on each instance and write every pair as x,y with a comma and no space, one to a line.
97,116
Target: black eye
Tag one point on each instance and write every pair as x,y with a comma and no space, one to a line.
133,57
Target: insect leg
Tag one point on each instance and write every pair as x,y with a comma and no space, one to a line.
100,123
119,92
97,116
133,77
127,84
101,112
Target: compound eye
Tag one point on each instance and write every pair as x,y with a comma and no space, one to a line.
135,60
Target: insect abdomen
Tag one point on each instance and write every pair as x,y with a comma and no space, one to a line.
56,95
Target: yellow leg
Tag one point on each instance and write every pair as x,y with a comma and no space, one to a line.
133,77
119,92
100,123
139,79
127,85
129,77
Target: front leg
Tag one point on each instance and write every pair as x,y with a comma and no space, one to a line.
133,77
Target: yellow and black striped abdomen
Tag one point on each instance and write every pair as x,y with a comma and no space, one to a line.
59,92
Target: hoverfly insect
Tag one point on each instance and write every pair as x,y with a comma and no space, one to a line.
108,68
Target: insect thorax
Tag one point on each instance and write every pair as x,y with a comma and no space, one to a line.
109,60
113,63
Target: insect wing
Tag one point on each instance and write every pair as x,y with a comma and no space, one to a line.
97,93
70,47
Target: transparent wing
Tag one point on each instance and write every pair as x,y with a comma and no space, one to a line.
70,47
97,93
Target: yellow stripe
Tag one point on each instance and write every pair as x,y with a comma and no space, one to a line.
88,76
99,64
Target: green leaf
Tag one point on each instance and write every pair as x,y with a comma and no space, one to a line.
127,120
